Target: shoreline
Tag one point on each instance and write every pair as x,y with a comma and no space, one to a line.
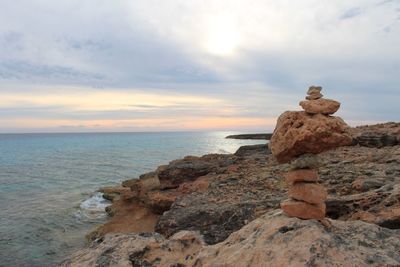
217,195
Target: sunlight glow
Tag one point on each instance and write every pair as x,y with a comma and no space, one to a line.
222,38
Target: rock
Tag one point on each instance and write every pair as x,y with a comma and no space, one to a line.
389,218
189,169
214,221
257,136
252,149
365,184
374,139
271,240
320,106
309,192
303,210
160,201
378,135
314,90
305,161
297,133
314,96
112,193
281,241
301,175
380,206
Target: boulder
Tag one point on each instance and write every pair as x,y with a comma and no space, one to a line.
303,210
309,192
301,175
320,106
297,133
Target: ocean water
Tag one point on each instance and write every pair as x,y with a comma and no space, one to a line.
48,183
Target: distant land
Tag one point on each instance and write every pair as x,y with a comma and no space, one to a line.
257,136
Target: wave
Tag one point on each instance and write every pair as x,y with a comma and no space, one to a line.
93,207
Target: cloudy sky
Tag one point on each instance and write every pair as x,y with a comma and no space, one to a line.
149,65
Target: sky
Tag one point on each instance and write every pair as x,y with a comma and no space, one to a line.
156,65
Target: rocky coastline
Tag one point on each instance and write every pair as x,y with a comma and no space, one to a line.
258,136
224,210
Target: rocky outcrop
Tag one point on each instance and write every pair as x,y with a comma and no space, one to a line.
250,150
257,136
271,240
189,169
361,182
246,186
378,135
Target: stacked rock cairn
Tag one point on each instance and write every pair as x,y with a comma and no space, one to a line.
297,139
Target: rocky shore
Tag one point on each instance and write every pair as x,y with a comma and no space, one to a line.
224,210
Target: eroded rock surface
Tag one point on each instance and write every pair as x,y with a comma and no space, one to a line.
271,240
297,133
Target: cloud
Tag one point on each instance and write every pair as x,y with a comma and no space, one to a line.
351,13
256,58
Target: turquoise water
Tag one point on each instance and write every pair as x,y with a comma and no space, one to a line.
48,183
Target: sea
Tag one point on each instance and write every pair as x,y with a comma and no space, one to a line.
49,182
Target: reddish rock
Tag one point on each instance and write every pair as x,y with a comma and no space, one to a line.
309,192
303,210
320,106
301,175
297,133
314,96
160,201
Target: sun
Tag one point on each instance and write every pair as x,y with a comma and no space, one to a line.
222,38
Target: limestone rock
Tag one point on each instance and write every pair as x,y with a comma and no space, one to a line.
314,96
314,90
252,149
303,210
309,192
364,184
301,175
320,106
297,133
271,240
305,161
189,169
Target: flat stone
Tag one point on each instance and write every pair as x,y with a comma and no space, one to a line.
312,193
301,175
314,90
314,96
320,106
305,161
303,210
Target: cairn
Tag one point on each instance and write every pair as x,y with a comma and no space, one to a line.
297,139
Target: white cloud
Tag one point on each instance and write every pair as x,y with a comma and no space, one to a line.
258,55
